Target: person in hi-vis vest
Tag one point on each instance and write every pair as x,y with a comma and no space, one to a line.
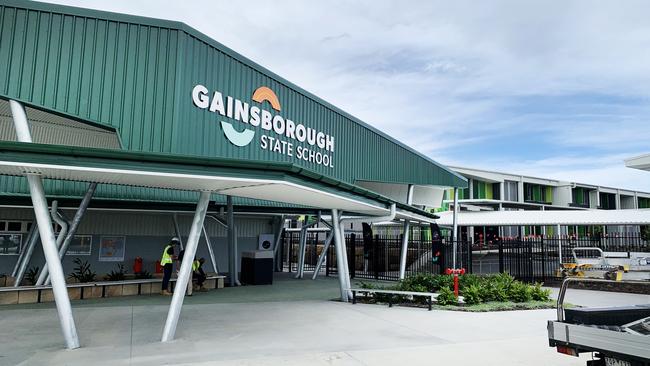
167,262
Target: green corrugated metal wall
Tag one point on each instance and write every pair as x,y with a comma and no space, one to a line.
136,75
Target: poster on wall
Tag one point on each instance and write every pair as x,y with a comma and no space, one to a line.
80,245
10,244
112,248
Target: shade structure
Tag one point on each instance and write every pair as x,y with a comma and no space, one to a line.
564,217
260,180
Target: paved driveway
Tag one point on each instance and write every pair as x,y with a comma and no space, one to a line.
237,327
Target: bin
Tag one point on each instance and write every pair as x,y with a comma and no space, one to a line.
257,267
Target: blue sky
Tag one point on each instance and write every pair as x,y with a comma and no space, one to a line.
548,88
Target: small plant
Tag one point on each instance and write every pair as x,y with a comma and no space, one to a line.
82,272
472,295
446,297
519,292
32,275
118,275
144,275
540,294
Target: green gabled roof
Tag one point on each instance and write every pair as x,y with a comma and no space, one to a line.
134,74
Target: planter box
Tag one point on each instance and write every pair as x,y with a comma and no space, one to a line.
28,297
147,288
47,295
92,292
10,297
74,293
129,290
114,290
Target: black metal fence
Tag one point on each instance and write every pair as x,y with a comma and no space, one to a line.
528,259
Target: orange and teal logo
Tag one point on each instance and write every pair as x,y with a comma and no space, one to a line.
289,138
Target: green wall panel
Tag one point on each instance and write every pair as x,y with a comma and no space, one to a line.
136,75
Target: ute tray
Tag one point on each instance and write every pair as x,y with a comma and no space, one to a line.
615,316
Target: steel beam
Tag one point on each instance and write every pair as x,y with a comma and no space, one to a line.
346,275
39,203
185,272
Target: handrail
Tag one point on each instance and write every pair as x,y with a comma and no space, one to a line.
565,285
602,254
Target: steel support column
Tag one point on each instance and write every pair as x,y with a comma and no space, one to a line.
76,220
323,254
185,272
405,236
23,252
277,262
39,203
54,213
177,230
28,256
210,251
405,247
344,253
340,248
232,245
302,249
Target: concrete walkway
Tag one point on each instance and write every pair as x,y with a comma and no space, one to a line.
258,326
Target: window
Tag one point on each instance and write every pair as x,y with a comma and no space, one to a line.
11,236
510,191
607,201
483,190
14,226
580,197
10,244
537,193
80,245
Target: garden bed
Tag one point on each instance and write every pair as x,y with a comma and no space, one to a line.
498,292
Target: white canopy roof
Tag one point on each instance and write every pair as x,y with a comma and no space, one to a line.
564,217
639,162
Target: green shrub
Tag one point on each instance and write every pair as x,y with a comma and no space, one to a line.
144,275
503,279
82,272
494,291
468,280
540,294
472,294
446,297
519,292
421,282
441,281
118,275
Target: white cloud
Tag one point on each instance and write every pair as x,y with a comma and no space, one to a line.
442,75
